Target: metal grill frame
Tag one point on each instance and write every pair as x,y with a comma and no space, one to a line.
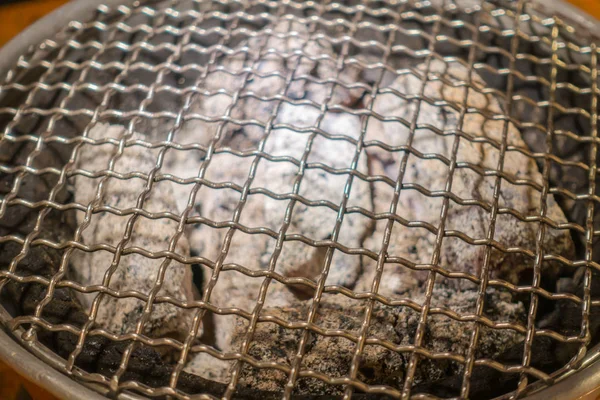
68,388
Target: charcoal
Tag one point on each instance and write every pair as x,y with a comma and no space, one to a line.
243,108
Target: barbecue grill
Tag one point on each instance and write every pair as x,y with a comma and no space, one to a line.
245,199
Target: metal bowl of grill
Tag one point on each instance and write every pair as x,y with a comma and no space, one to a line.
260,199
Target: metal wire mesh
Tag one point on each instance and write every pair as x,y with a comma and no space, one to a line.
145,67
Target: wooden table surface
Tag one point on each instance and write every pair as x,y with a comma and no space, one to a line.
13,19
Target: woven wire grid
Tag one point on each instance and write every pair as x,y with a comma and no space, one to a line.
133,66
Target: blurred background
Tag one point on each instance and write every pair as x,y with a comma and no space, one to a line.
15,16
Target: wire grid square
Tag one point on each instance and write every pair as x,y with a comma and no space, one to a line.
281,185
257,259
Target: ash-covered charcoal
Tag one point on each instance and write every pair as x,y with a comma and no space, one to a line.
333,355
435,137
316,223
134,271
292,47
98,354
253,251
277,56
234,289
547,355
238,290
289,48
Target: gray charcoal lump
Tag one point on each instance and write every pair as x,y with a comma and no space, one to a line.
332,355
333,150
397,325
456,255
134,271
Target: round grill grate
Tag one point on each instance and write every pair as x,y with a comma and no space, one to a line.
244,199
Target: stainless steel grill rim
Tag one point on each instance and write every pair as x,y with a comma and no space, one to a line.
159,18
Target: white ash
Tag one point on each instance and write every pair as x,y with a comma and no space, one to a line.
134,271
417,245
234,289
